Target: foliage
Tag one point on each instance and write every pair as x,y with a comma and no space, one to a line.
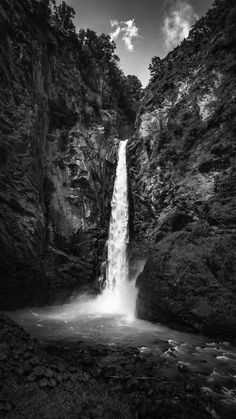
135,86
219,23
96,48
94,56
98,55
62,18
156,66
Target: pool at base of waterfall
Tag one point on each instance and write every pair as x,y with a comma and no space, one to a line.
114,345
138,359
72,324
58,323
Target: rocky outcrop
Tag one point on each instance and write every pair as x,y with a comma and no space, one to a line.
181,164
60,124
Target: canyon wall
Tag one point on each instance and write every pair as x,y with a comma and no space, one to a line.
62,116
183,179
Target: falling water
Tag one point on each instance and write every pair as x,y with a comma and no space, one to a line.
117,266
119,293
115,306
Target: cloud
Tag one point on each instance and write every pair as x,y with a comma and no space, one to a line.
128,31
114,23
177,23
114,35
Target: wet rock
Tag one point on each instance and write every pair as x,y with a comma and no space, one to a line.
88,361
59,377
132,385
49,373
213,351
31,377
27,355
43,382
97,372
52,382
189,387
72,369
27,367
35,360
202,369
183,368
39,371
150,391
7,407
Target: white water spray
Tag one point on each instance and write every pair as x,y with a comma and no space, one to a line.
119,295
117,265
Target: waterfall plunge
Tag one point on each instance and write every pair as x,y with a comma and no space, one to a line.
119,295
117,265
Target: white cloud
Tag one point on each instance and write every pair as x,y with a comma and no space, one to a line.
177,23
116,33
128,31
114,23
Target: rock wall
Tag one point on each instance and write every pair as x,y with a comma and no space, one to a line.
182,181
59,137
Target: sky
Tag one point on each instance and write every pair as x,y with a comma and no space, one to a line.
141,29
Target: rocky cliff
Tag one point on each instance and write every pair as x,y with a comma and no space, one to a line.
61,114
182,180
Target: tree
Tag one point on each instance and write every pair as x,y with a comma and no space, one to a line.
107,46
62,18
231,20
135,86
42,10
156,66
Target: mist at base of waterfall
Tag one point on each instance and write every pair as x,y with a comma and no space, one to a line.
107,318
86,319
118,301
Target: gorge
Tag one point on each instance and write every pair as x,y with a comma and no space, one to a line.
117,222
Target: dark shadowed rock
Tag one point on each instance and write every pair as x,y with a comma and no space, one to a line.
182,181
60,125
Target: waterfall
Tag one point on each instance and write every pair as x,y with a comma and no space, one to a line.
117,264
119,295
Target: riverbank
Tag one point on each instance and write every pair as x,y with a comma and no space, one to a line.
81,380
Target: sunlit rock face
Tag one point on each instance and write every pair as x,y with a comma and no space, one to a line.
59,135
182,184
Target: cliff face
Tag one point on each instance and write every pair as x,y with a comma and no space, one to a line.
59,132
181,165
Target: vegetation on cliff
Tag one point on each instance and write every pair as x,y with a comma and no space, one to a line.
64,103
183,179
220,21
